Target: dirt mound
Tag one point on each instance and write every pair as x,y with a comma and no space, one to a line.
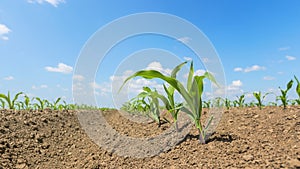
245,137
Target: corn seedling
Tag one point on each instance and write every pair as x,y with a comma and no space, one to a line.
206,104
41,105
283,97
55,105
137,104
227,103
11,103
297,90
152,97
191,94
258,96
240,101
169,101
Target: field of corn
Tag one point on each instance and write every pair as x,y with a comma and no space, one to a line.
37,133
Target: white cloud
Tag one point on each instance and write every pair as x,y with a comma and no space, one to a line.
4,30
238,69
268,78
187,58
232,89
9,78
199,72
78,77
290,57
236,83
55,3
254,68
249,69
43,86
284,48
157,66
184,39
234,86
61,68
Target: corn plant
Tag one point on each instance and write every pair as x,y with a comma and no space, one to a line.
169,101
206,104
191,94
152,97
137,104
258,96
283,97
227,103
11,103
240,100
42,103
297,90
55,105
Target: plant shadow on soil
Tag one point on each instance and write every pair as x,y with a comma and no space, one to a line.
215,137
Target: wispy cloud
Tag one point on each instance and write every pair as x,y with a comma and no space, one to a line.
184,39
54,3
254,68
268,78
238,69
284,48
61,68
290,57
249,69
43,86
4,30
187,58
9,78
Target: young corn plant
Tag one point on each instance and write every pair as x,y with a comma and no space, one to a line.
206,104
283,97
258,96
154,112
26,102
42,103
10,102
240,100
192,94
172,107
227,103
55,105
137,105
297,90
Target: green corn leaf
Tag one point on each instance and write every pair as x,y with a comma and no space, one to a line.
151,74
298,86
289,85
176,69
190,77
57,101
16,96
211,78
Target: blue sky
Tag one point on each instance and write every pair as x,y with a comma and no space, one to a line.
258,42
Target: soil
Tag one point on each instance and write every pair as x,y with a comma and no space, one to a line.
244,138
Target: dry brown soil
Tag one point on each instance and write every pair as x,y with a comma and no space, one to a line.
245,138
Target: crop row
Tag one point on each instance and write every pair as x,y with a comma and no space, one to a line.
36,103
148,101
